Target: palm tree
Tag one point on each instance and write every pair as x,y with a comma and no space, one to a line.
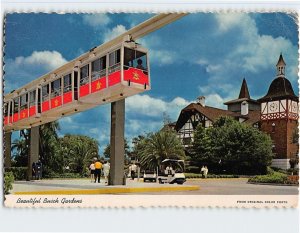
78,152
49,148
159,146
20,148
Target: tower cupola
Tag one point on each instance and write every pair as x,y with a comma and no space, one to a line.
280,66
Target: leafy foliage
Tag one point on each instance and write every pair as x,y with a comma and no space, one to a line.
20,173
77,152
232,147
275,177
106,152
8,181
156,147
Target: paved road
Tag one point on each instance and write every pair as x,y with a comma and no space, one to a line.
234,187
207,187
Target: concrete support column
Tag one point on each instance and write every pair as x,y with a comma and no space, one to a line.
33,149
7,149
117,143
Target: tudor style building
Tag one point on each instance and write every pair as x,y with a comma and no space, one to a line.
276,114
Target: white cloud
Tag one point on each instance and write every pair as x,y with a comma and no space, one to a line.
46,59
21,70
163,57
96,20
214,100
116,31
146,105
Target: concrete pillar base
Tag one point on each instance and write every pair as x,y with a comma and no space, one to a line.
117,143
33,150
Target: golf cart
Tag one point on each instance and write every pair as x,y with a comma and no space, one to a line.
150,176
171,171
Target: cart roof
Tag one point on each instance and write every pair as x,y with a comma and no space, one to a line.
172,160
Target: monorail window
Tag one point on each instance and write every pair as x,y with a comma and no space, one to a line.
84,75
16,105
23,101
99,68
134,58
67,83
114,61
32,98
45,93
56,88
5,111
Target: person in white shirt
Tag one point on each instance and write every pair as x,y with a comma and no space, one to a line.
106,168
132,170
92,171
169,170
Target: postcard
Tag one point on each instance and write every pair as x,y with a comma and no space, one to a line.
151,109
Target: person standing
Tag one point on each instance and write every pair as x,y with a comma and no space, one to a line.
106,168
132,170
205,172
202,171
38,167
98,167
92,171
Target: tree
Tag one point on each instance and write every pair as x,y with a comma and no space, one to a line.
232,147
156,147
49,148
20,149
78,151
106,152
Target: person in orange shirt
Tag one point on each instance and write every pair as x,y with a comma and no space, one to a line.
98,167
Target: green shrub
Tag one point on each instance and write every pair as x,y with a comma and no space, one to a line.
8,181
275,177
20,173
294,171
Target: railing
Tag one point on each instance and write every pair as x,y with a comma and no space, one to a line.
45,97
97,74
114,68
67,88
84,80
55,93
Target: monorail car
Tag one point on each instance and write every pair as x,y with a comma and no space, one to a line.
99,77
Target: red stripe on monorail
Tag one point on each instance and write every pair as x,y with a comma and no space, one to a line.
32,110
23,113
56,102
114,78
6,120
98,84
67,97
45,106
15,117
136,76
84,90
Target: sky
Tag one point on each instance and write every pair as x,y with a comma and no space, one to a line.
202,54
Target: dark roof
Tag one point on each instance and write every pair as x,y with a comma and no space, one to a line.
280,61
252,117
210,112
244,92
213,113
244,95
280,88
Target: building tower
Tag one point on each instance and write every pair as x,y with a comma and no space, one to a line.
279,117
